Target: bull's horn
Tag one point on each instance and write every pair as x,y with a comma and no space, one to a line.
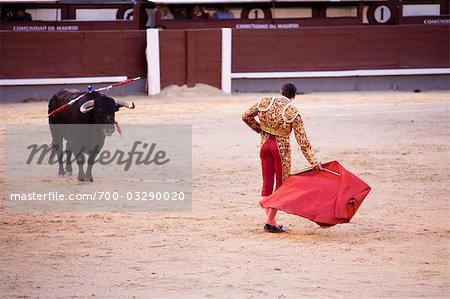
86,107
125,104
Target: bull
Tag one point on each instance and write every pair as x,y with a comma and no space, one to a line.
74,124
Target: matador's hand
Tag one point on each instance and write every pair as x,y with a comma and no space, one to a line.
317,166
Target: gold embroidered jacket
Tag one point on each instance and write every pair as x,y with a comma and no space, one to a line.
278,117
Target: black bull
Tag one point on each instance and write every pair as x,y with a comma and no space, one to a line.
84,125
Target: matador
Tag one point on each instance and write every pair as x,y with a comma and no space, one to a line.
277,119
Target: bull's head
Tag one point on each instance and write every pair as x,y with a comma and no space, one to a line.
103,110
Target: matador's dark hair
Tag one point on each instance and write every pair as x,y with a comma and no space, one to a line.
288,90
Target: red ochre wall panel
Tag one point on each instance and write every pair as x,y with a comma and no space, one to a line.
72,54
340,48
194,56
172,55
190,56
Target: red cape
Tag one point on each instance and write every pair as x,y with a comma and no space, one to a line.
322,197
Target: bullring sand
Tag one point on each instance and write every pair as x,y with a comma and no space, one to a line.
396,246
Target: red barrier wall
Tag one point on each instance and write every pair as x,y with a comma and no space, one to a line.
340,48
190,56
194,56
72,54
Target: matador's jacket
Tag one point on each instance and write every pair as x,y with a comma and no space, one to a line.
278,117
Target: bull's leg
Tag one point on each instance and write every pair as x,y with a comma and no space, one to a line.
92,155
59,153
69,159
57,148
80,163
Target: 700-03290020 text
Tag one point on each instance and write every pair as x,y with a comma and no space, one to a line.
100,196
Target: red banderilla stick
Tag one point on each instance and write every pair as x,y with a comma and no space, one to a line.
59,109
118,84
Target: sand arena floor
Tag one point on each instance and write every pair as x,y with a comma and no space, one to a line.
396,246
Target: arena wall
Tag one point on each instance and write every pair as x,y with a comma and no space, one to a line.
405,57
72,54
414,56
190,56
340,48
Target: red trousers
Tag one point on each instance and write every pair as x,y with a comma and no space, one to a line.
271,166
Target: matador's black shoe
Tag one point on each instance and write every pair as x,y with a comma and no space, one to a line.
273,229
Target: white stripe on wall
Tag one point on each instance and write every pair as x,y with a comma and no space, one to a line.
152,54
63,81
226,60
350,73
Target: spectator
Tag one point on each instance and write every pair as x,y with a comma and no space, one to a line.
200,13
6,13
165,13
179,13
223,13
21,15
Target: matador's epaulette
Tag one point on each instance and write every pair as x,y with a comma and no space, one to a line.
289,113
264,103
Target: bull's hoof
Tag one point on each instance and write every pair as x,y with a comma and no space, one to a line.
61,175
86,180
68,174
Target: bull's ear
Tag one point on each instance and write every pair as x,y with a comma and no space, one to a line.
117,107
